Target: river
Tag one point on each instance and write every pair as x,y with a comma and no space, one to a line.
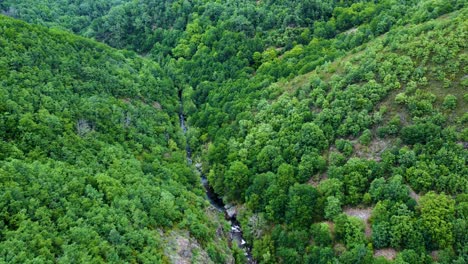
235,234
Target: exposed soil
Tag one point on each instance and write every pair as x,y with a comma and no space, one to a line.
414,195
373,151
180,248
314,182
388,253
435,255
351,31
339,248
157,105
331,225
363,214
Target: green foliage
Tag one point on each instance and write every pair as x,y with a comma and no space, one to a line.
321,234
409,256
381,234
311,137
350,230
310,165
332,207
365,138
93,163
359,254
236,180
450,102
344,146
303,207
420,133
320,255
92,169
437,214
393,190
405,233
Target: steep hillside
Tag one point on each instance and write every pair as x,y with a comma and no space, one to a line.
92,161
202,41
335,130
379,134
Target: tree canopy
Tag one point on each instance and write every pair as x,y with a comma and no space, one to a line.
337,130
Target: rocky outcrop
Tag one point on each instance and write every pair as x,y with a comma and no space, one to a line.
231,211
181,248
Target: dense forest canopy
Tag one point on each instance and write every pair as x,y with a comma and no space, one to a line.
337,129
92,161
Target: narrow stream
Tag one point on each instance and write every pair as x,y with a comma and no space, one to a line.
235,234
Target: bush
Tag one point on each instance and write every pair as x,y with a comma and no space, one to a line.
332,207
365,138
450,102
420,133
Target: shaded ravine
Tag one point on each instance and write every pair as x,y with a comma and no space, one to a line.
235,234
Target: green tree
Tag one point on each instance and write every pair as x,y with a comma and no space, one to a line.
310,165
350,230
405,232
311,137
321,234
269,159
437,214
236,180
332,207
450,102
303,207
366,137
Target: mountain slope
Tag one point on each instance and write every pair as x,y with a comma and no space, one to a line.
382,128
92,161
336,130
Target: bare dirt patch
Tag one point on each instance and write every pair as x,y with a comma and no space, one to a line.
315,181
180,248
388,253
414,195
435,255
331,226
363,214
157,105
339,248
373,151
351,31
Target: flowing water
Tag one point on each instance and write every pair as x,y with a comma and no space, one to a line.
235,234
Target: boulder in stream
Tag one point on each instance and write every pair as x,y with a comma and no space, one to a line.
231,211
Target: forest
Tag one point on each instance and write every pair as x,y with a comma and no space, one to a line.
337,130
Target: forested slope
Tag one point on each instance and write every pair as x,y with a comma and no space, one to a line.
379,134
92,161
337,128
